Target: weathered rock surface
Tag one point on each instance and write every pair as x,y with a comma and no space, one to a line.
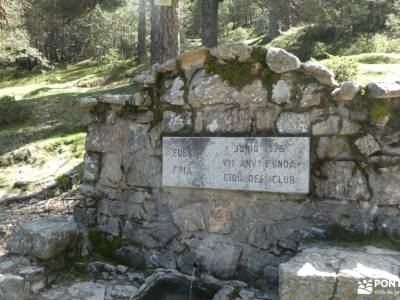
281,61
334,147
190,62
234,120
265,119
385,185
212,255
329,126
44,238
312,95
174,122
343,181
294,123
346,91
333,272
282,91
384,90
208,89
174,95
12,287
239,51
320,72
367,145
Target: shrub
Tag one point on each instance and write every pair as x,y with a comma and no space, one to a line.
367,42
12,112
344,68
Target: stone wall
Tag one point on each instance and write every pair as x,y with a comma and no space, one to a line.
239,91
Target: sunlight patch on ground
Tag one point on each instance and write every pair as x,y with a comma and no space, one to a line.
50,159
378,72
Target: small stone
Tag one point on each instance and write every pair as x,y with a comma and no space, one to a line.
319,72
329,126
174,122
281,61
384,90
312,95
349,127
368,145
174,95
294,123
122,269
346,91
282,92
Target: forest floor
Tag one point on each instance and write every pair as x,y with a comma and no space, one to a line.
53,137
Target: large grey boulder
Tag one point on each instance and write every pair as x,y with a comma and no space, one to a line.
281,61
12,287
325,273
384,90
319,72
44,238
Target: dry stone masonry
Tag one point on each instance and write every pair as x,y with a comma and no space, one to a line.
149,184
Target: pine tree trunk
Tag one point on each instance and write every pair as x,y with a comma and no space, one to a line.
142,55
273,25
165,38
210,23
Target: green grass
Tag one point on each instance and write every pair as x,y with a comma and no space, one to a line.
56,129
52,98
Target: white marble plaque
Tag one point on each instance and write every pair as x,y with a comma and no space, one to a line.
270,164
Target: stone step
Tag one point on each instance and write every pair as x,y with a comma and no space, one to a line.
44,238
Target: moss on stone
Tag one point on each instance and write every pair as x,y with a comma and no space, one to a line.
237,74
105,245
259,55
379,110
337,235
